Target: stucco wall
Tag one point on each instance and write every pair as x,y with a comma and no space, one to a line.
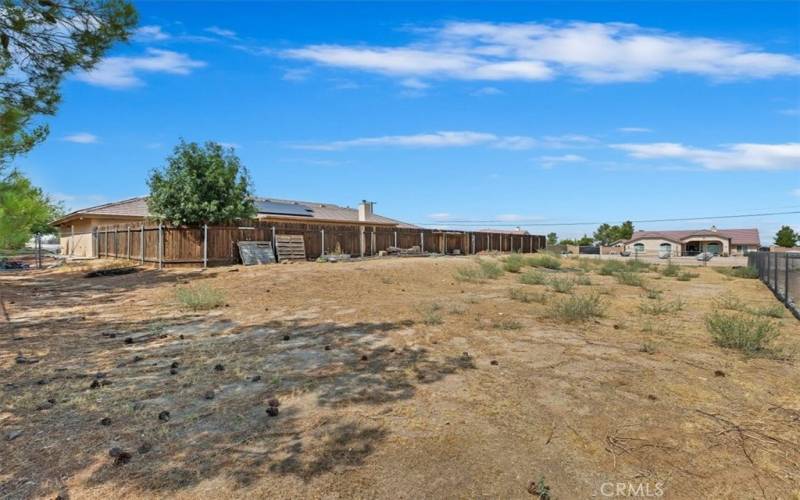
652,246
76,236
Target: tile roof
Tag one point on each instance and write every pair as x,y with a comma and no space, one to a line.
737,236
137,207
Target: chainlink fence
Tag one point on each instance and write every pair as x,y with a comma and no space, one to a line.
781,273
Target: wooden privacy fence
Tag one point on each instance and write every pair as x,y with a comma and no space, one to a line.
217,245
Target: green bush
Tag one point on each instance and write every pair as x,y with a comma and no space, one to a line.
738,272
490,269
671,270
629,278
611,267
738,331
533,277
486,270
659,307
637,266
547,261
507,324
561,285
773,311
200,298
431,314
578,308
687,275
513,263
730,302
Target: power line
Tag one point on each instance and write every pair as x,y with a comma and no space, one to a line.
532,222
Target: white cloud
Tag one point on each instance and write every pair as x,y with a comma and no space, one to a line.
552,161
414,83
442,139
743,156
151,33
123,72
634,130
226,33
591,52
82,138
463,138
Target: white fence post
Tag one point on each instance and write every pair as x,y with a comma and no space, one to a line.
322,232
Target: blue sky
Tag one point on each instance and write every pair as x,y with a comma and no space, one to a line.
508,112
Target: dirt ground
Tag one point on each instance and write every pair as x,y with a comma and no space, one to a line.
394,380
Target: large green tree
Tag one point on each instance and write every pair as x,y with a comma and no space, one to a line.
24,210
607,234
201,184
786,237
552,239
41,41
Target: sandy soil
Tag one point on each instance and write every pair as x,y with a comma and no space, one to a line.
394,380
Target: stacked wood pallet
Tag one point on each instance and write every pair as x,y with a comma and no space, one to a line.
290,247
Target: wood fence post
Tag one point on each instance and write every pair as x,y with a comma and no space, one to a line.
395,239
141,244
107,241
160,246
322,232
444,243
422,240
205,246
128,242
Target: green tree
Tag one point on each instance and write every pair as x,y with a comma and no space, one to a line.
24,210
201,185
607,234
582,242
552,238
41,41
786,237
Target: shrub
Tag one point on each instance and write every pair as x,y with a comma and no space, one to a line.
629,278
524,296
544,260
585,265
200,298
490,269
653,294
469,274
507,324
737,331
739,272
486,270
533,277
637,266
686,276
562,285
659,307
671,270
513,263
578,308
648,348
583,280
773,311
610,267
431,314
731,302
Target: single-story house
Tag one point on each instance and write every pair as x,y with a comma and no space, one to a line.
689,242
76,228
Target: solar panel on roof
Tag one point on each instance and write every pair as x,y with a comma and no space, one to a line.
277,208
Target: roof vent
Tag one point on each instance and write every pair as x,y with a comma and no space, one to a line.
365,210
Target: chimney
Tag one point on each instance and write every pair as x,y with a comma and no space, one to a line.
365,210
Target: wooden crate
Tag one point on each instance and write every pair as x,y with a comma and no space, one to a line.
290,247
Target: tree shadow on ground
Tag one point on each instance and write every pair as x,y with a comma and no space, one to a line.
315,371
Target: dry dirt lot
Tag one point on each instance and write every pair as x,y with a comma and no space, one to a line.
394,380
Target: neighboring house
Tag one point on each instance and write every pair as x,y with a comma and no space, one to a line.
694,241
76,228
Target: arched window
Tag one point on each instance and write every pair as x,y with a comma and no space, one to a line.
665,248
638,247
